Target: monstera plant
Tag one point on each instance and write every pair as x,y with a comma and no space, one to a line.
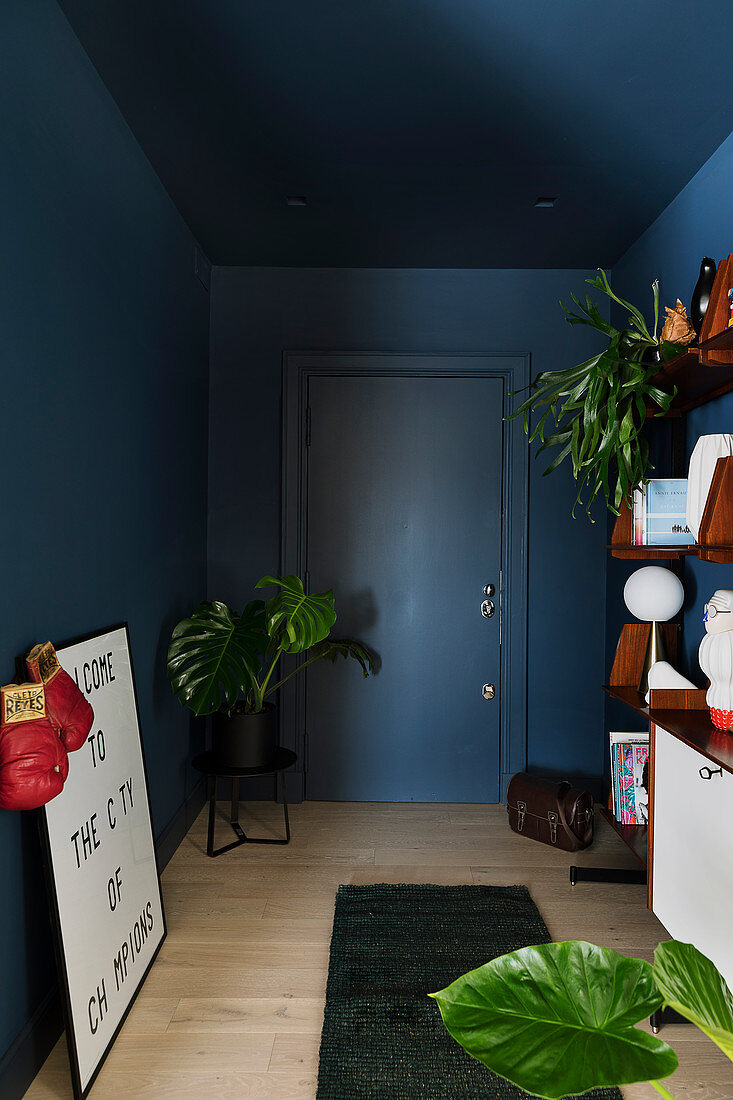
560,1018
225,664
595,413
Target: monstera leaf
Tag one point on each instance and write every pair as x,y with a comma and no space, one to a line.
692,986
295,621
559,1018
214,657
333,648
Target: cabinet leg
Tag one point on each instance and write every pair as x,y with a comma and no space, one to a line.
607,874
665,1016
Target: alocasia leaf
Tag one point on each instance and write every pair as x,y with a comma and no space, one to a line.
691,984
559,1018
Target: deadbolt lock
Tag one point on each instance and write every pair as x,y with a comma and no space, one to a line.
487,608
488,691
489,590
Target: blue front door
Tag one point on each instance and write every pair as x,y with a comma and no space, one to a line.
404,522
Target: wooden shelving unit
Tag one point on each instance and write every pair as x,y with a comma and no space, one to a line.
700,374
716,526
706,371
683,713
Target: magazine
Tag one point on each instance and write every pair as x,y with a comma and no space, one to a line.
630,777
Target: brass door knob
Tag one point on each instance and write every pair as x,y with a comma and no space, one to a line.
488,691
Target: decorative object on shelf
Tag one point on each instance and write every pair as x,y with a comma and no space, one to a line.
714,327
663,675
221,663
653,594
599,408
707,451
701,293
677,328
730,307
716,657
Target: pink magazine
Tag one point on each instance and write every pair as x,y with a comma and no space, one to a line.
632,783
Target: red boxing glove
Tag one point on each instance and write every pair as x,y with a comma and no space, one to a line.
33,762
66,706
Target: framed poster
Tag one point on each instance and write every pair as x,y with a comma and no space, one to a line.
100,859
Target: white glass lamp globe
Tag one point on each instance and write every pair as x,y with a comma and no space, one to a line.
653,594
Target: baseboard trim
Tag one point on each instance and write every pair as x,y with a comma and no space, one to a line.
180,823
27,1053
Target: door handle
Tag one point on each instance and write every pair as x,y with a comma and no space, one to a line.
487,609
488,691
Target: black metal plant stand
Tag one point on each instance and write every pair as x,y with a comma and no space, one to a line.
207,764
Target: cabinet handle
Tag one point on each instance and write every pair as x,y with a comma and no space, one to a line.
708,773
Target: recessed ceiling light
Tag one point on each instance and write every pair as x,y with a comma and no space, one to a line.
545,201
297,200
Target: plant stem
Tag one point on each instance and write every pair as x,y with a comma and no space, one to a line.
295,671
263,689
662,1090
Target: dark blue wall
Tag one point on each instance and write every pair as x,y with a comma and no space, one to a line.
699,222
104,362
258,312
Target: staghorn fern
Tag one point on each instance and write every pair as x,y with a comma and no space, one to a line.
597,411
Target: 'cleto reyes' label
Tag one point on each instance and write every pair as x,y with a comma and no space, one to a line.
22,702
44,657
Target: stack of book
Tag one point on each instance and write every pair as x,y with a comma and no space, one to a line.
630,777
660,513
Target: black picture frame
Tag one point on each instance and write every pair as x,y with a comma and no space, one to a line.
81,1090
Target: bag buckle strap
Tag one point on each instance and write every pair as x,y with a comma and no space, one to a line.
552,818
521,810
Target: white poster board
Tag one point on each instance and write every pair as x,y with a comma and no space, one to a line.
103,875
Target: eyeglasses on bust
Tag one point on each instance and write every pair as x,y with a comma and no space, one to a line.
710,611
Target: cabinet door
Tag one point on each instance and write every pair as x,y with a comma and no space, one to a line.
693,844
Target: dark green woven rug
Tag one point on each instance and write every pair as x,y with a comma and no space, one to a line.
382,1036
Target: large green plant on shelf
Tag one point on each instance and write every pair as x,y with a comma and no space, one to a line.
594,414
560,1018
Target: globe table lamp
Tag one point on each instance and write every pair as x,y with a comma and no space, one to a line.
654,595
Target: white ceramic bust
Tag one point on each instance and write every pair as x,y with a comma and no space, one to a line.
716,657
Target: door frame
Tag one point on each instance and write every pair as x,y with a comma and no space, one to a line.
514,372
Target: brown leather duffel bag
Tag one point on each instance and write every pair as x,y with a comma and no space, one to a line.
551,812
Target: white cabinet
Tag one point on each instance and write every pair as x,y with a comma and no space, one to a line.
692,863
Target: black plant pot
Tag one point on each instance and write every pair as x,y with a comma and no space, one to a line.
701,294
245,740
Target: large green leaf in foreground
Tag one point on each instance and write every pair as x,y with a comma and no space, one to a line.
692,986
559,1018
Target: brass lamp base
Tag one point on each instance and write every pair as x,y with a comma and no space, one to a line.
655,651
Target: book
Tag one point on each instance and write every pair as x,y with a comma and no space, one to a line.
639,516
629,777
664,517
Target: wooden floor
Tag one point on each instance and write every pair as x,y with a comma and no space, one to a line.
233,1005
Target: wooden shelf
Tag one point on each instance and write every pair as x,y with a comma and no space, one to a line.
722,340
633,836
716,527
704,372
693,726
698,379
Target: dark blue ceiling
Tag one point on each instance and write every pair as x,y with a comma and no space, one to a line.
421,131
